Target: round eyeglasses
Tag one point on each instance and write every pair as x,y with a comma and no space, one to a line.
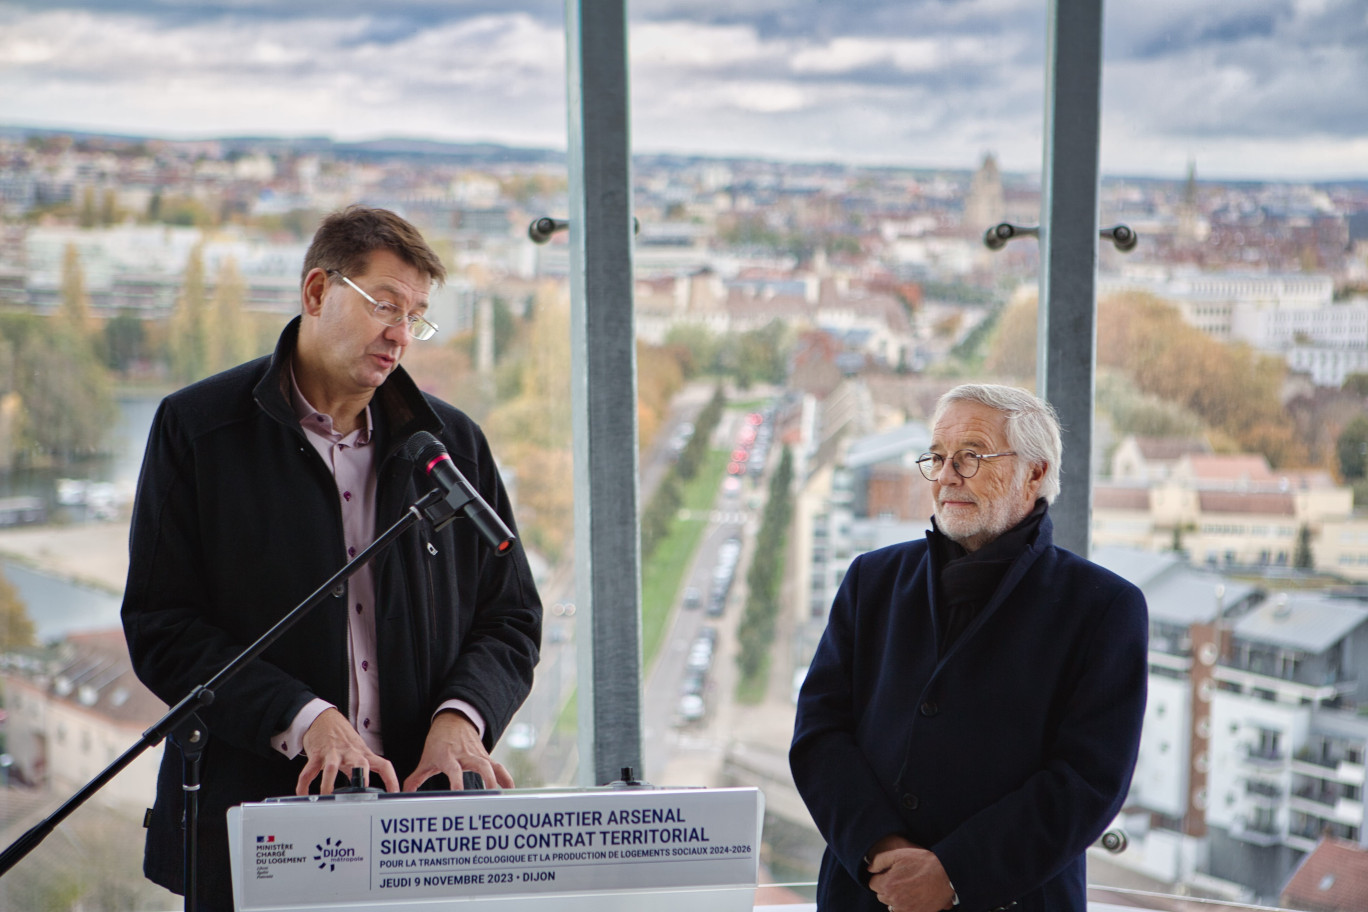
966,463
419,327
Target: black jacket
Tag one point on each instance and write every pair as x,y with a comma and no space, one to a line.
236,521
1007,756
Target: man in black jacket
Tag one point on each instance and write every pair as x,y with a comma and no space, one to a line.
971,718
257,485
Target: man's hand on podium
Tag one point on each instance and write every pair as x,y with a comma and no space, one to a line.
332,747
453,745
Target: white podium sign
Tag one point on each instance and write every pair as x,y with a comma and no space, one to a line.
567,850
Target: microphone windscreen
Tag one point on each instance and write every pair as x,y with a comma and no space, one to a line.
422,448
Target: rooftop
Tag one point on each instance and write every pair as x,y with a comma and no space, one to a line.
1308,622
1333,878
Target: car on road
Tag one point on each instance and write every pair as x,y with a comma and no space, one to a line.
691,708
693,682
692,598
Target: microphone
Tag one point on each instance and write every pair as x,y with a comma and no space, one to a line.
428,452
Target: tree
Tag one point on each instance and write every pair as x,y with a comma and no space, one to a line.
87,216
230,340
1352,449
659,377
189,328
755,634
65,402
1356,383
75,306
125,341
531,429
1230,387
1303,559
16,627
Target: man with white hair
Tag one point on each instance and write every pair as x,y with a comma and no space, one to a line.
972,715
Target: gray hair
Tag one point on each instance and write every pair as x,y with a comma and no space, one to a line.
1032,427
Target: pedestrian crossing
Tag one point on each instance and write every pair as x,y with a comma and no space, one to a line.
718,517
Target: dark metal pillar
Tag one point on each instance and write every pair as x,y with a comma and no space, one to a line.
603,395
1067,331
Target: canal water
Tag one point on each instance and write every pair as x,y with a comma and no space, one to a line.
59,606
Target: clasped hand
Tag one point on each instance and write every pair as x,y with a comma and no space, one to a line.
908,878
453,745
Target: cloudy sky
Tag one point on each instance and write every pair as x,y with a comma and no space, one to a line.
1246,88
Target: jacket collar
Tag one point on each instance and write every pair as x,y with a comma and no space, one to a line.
398,407
1043,541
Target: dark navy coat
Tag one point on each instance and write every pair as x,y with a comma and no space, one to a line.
237,520
1007,757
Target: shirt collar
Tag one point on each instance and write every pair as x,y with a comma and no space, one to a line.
320,423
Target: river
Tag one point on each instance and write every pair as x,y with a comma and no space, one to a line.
60,606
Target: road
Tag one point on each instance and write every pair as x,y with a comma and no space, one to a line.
552,759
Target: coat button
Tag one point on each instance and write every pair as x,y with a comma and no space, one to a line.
929,708
910,801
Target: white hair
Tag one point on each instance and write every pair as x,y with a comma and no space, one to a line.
1032,427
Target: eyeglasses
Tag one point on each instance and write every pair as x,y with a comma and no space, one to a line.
966,463
419,327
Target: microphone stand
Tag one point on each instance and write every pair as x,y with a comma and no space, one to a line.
200,697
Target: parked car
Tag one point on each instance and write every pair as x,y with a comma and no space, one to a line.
691,708
693,682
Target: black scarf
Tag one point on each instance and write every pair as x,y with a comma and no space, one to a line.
969,579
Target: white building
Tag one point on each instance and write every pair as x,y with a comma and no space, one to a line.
1253,746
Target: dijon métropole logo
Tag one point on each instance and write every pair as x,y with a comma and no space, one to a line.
331,852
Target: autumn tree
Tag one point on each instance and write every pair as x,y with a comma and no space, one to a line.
531,430
16,627
75,307
230,339
65,403
189,329
659,377
1229,386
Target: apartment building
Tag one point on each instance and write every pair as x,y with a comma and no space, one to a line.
1253,750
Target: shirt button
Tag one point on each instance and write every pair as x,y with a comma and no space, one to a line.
358,608
929,708
366,723
365,665
910,801
351,552
346,495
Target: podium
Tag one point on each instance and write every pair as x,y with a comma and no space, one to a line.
553,850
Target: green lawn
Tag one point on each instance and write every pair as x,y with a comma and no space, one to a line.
663,574
750,691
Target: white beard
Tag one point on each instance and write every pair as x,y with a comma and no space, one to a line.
981,526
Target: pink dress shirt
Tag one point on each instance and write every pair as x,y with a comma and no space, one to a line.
351,459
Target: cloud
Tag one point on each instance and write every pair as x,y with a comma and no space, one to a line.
1262,83
1261,70
488,76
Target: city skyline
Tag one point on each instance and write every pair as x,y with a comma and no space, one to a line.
1270,90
